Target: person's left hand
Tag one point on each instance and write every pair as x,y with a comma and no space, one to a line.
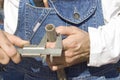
75,48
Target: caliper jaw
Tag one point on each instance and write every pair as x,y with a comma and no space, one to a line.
41,50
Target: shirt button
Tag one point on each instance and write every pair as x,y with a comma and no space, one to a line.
76,15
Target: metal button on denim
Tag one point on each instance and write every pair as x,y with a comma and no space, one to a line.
76,15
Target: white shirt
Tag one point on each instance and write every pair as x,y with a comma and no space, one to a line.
104,41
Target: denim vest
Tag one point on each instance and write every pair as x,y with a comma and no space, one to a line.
31,23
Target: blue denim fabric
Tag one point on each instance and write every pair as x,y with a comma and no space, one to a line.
1,16
31,23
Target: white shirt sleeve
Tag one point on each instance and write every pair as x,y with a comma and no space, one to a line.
105,40
11,15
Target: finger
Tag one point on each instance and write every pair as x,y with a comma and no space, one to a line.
64,30
16,40
73,51
4,59
67,30
8,47
65,43
55,68
69,43
84,57
77,59
50,45
70,53
16,58
10,50
45,3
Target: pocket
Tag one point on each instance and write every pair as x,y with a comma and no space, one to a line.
33,15
74,11
31,19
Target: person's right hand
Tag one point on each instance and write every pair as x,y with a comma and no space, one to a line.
7,47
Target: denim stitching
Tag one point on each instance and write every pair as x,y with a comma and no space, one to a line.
40,19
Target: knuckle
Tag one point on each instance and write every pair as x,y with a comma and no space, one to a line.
68,61
5,61
74,43
11,52
69,54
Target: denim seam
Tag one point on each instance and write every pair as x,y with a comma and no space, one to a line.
40,20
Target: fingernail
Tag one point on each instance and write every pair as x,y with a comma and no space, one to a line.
54,68
17,58
26,43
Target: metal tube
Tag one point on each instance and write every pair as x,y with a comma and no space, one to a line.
51,37
51,33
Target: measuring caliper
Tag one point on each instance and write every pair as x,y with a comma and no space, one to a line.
39,50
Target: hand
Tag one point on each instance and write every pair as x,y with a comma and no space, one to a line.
46,3
7,49
75,48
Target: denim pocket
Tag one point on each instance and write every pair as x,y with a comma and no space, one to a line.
74,11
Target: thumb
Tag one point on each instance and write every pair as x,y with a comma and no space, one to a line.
64,30
16,40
